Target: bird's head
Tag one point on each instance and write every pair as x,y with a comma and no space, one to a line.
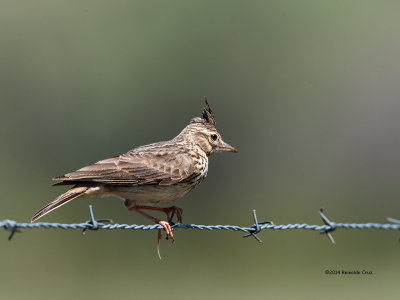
203,133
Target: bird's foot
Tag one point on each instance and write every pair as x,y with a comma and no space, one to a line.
174,210
165,225
168,231
167,228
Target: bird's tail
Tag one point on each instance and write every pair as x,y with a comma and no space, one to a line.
69,195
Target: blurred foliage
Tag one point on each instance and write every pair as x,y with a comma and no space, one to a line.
306,90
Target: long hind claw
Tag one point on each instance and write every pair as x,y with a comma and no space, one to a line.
158,243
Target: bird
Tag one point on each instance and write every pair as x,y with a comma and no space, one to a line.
149,175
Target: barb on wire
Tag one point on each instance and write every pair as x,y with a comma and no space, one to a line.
328,223
253,230
256,227
12,226
93,224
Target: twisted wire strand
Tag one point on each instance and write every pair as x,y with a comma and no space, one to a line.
94,224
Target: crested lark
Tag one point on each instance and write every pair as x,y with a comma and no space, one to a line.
153,174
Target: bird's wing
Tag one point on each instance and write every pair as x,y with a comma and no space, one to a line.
136,168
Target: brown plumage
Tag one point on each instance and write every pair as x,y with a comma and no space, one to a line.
157,173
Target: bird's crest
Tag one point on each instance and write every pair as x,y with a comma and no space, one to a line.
207,117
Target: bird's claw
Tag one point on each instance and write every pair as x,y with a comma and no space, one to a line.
167,228
175,210
168,231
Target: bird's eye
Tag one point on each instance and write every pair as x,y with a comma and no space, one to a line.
214,137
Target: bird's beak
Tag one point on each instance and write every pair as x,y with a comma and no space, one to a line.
222,146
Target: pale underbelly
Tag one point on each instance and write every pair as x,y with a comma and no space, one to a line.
149,194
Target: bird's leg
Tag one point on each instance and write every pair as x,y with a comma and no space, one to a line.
167,210
164,224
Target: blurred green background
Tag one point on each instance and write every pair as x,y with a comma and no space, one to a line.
308,91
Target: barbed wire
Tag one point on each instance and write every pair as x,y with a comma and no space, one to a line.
257,227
